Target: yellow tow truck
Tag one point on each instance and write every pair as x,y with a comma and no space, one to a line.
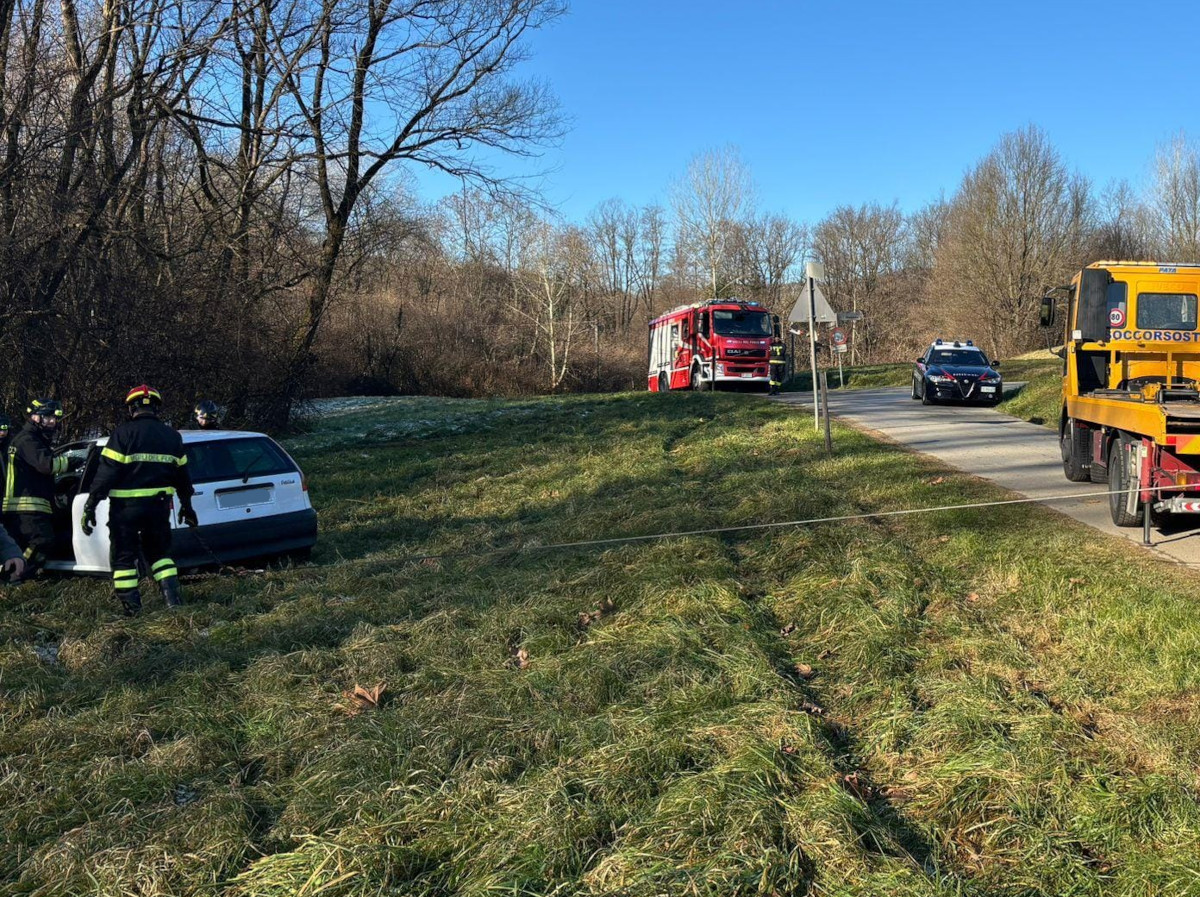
1131,386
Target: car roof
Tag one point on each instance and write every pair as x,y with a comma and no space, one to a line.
213,435
192,436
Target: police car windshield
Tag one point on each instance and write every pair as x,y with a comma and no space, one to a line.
741,323
957,356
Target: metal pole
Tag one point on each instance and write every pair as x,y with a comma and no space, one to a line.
825,412
841,379
812,350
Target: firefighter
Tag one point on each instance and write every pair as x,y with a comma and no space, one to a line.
12,564
206,415
778,364
29,482
141,467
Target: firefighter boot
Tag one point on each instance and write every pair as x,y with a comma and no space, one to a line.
170,590
131,601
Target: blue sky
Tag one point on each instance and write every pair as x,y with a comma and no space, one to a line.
847,102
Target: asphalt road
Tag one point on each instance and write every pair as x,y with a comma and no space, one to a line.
1012,453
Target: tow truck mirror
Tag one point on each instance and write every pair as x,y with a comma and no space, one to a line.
1046,317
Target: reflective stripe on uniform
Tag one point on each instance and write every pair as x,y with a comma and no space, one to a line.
163,569
142,493
26,504
60,465
143,458
10,479
123,580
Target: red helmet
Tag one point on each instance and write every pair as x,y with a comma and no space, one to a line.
144,396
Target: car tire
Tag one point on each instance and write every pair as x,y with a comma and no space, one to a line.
1119,485
1073,445
914,389
925,400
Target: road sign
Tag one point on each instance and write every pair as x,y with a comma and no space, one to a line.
838,337
842,348
847,317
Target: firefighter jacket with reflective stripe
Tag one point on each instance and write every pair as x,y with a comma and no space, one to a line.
144,458
29,478
778,354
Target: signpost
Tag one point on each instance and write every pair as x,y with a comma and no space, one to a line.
838,338
812,309
815,271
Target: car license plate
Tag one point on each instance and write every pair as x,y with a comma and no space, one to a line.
987,389
747,376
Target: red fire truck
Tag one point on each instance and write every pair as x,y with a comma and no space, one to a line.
719,341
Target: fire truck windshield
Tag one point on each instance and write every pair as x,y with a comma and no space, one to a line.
728,322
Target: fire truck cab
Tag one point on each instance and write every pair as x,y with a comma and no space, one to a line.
1131,386
702,345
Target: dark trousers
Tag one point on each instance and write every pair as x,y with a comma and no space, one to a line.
777,371
140,527
34,533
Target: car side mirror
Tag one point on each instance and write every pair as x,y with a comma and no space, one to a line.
1059,351
920,361
1046,315
995,364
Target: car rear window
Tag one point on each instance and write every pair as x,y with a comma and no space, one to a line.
235,459
957,356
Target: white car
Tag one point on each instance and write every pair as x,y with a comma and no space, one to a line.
251,500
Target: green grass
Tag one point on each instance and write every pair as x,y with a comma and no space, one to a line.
1001,702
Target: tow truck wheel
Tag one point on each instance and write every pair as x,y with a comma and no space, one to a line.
698,382
663,384
1074,453
1120,484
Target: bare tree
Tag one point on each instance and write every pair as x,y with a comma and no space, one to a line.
861,251
1176,198
434,78
710,202
1124,228
1017,228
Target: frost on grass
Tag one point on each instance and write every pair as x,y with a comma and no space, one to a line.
374,419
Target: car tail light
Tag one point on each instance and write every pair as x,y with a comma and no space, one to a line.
303,483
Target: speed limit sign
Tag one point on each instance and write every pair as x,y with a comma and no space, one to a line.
838,337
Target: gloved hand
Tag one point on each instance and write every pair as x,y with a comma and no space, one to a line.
89,519
188,516
14,568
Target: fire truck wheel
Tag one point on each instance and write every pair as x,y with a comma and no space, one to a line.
698,382
663,384
1074,453
1120,483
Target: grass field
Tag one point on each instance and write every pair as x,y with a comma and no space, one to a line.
976,702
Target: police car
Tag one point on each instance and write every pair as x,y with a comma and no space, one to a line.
251,499
956,371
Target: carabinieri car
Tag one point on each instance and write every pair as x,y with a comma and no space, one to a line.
956,372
